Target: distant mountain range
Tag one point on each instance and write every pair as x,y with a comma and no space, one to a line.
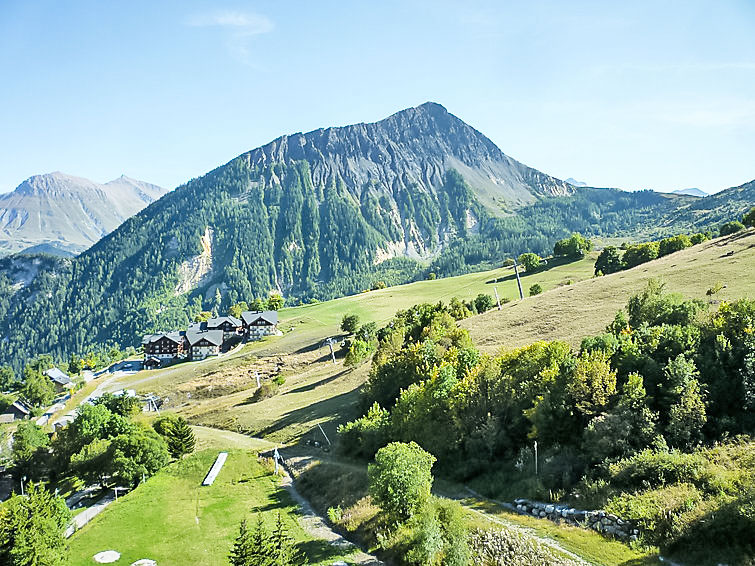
574,183
64,215
319,215
693,192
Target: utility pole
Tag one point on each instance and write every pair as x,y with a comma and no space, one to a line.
518,281
325,435
329,342
497,298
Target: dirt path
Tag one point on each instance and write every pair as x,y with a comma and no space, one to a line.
300,462
315,526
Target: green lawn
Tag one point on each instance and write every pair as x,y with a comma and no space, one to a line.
174,520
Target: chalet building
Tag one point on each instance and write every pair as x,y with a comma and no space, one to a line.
204,339
18,410
230,325
166,346
202,342
60,380
258,324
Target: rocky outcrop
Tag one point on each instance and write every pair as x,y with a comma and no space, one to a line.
605,523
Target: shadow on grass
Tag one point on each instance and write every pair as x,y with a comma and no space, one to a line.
318,551
340,408
312,386
552,262
279,501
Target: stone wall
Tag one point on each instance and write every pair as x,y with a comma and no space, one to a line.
600,521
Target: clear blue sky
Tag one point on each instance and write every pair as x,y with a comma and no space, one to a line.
657,94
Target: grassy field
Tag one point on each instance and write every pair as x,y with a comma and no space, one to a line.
175,521
584,309
307,324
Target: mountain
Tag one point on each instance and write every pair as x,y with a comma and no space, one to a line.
319,215
693,192
63,214
574,183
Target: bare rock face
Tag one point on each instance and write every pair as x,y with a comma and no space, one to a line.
412,149
63,214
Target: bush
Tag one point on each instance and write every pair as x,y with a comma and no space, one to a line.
730,228
749,218
609,261
535,289
366,435
575,246
350,323
639,253
673,244
266,390
401,478
530,261
483,303
699,238
657,512
359,350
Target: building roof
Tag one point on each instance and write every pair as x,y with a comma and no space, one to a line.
174,336
21,407
219,320
250,317
196,334
58,376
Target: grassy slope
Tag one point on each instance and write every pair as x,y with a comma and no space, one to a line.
584,309
190,524
318,392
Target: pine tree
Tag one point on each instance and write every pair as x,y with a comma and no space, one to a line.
181,439
241,552
283,551
260,547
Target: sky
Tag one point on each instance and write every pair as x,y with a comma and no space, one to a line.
636,95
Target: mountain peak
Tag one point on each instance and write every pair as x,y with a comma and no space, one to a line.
68,212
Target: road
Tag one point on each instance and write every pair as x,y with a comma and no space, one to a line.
90,513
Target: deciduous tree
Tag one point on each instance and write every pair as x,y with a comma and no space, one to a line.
401,478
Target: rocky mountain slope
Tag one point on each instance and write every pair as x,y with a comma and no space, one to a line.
320,215
63,214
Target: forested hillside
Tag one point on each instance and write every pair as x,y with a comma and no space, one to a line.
315,216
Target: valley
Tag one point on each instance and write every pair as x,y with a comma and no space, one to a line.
218,393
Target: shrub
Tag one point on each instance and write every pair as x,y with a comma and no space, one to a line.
483,303
350,323
699,238
673,244
401,478
749,218
530,261
366,435
657,512
358,351
575,246
535,289
639,253
730,228
266,390
726,527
